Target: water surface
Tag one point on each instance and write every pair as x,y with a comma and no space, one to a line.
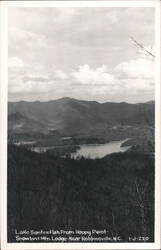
99,150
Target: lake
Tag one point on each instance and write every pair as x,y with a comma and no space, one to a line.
100,150
90,150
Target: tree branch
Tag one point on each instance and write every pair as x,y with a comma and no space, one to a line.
143,48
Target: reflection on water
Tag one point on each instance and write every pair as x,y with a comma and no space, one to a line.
100,150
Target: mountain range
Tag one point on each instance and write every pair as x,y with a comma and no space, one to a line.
70,116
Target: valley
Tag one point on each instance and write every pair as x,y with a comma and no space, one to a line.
63,125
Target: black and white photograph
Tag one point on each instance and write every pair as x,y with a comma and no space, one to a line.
81,124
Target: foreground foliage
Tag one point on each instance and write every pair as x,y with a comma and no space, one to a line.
115,192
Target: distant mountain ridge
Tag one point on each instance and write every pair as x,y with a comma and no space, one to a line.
72,116
78,100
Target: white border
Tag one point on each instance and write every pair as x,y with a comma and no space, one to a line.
3,123
3,117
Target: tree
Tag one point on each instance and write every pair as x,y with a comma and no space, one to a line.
149,55
143,50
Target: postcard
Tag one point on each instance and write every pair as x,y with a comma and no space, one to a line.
80,128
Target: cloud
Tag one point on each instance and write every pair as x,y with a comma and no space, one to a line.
81,53
64,14
96,35
99,76
123,83
23,85
59,74
15,62
23,41
139,68
36,78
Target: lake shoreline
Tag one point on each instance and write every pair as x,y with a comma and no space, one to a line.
100,150
90,150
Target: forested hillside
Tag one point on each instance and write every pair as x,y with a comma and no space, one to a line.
67,116
115,192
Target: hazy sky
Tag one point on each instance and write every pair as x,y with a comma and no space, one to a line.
84,53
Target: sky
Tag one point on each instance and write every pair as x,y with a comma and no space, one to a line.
84,53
